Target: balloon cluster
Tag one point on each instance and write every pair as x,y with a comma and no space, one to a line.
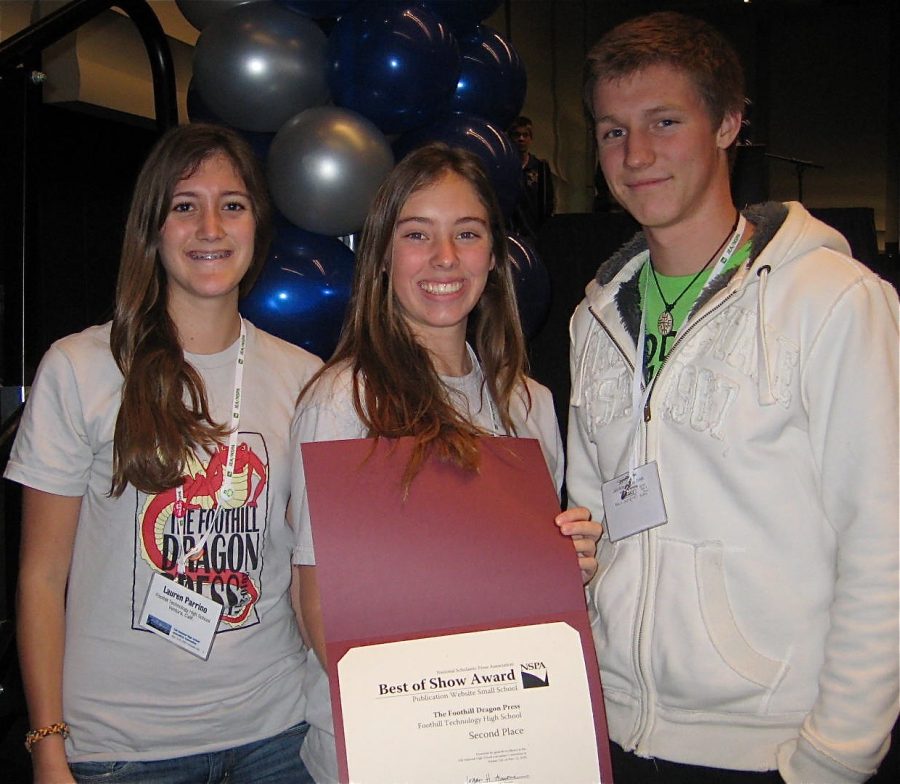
318,108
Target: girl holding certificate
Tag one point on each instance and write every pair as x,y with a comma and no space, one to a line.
156,636
432,268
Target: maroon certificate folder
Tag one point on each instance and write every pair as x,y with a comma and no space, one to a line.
459,553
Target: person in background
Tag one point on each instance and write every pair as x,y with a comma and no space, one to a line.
153,451
734,414
432,267
535,204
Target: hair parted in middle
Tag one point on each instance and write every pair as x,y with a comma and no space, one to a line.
156,431
671,38
396,389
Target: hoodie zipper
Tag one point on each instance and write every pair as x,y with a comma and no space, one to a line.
646,698
642,658
612,338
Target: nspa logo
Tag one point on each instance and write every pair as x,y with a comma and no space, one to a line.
534,675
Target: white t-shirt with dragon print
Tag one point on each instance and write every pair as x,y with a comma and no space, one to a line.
128,694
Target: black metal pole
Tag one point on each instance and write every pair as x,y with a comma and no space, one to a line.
70,17
19,62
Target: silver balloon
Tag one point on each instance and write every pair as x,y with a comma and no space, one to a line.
259,65
201,12
324,168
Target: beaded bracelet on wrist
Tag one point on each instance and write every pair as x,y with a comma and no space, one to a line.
33,736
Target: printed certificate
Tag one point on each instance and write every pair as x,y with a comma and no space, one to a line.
501,705
458,642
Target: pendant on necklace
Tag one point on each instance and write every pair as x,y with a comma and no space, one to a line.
665,323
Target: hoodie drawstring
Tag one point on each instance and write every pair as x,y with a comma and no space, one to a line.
765,392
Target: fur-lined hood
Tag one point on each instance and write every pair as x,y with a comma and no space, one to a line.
794,231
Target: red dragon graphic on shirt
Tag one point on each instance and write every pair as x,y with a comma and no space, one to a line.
227,568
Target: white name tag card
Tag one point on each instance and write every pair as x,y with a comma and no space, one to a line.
181,616
633,502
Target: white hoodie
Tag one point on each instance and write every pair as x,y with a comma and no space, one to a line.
758,628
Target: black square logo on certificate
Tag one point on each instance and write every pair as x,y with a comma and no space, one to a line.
534,675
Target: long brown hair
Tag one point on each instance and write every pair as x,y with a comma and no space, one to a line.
156,429
396,389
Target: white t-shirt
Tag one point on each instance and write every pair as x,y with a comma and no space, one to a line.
327,413
128,694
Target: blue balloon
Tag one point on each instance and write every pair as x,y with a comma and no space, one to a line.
303,290
532,284
463,16
319,9
492,80
197,109
396,65
487,141
199,112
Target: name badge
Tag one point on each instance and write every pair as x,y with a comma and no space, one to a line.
181,616
633,502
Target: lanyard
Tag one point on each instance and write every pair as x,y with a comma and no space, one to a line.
495,424
226,491
728,252
639,395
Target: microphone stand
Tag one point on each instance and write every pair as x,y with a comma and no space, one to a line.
800,166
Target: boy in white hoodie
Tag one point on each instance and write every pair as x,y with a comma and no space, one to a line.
734,413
